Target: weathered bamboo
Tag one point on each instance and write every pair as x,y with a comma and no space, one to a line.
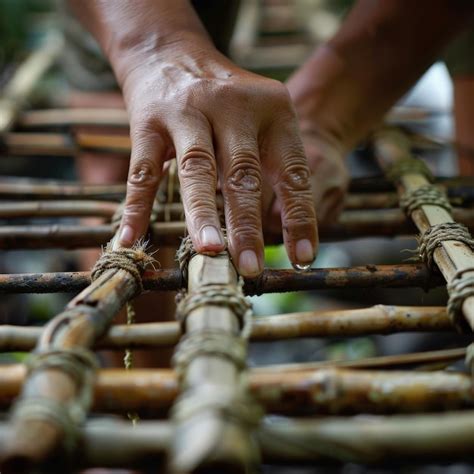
21,85
379,319
26,188
402,361
224,441
151,392
451,256
55,382
271,280
352,224
378,440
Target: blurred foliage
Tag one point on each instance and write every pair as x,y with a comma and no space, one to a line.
17,20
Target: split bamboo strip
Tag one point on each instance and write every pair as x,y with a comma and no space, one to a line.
379,319
207,435
270,281
379,440
351,224
414,359
451,256
21,85
54,387
151,392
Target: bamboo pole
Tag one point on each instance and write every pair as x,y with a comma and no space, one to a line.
206,438
352,224
151,392
271,280
24,80
451,256
56,385
379,319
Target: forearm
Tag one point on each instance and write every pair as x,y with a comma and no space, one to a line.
135,32
379,52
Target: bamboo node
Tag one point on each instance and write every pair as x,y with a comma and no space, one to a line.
424,195
209,342
218,295
408,165
430,240
460,288
132,260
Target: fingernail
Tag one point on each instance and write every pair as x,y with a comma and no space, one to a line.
210,236
248,263
304,251
126,236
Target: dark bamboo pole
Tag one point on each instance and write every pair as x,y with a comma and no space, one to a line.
271,280
151,392
379,319
352,224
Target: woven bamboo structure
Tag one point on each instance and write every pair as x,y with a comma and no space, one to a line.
210,412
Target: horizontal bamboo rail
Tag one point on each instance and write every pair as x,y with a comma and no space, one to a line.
377,440
379,319
352,224
151,392
270,281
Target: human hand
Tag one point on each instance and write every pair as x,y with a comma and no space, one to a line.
222,123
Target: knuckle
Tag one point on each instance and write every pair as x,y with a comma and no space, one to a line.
136,208
244,173
143,174
295,175
299,210
197,161
199,210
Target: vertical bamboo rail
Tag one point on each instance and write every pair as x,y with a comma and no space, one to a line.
451,256
24,80
209,433
57,393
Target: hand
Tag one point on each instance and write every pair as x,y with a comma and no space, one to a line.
222,123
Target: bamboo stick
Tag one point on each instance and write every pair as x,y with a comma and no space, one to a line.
271,280
24,80
450,256
151,392
445,356
352,224
224,442
85,320
379,319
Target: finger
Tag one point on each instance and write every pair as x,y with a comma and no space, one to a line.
241,181
198,176
285,162
146,163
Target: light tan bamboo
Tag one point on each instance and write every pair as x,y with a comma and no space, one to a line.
379,319
451,256
24,80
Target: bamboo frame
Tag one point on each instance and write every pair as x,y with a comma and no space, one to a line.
379,319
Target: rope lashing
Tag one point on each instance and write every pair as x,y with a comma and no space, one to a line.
430,240
132,260
424,195
210,342
408,165
460,288
218,295
80,364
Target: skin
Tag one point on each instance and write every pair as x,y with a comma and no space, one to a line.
230,127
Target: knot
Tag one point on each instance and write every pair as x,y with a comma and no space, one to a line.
424,195
460,288
218,295
408,165
430,240
210,342
227,403
133,261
